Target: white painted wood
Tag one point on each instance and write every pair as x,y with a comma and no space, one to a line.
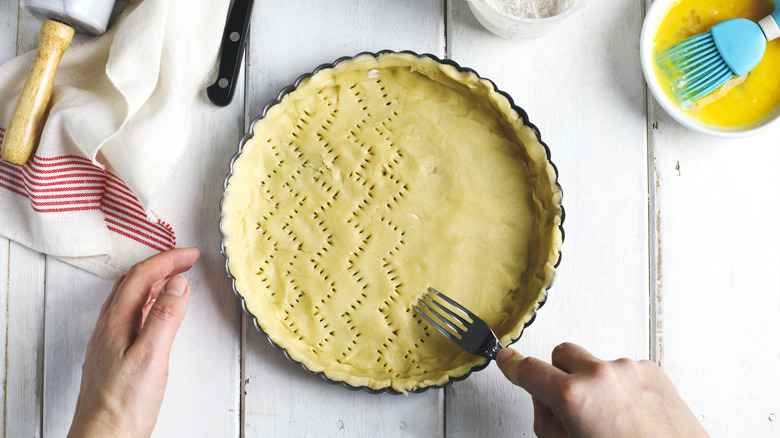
716,204
292,38
23,326
73,301
28,30
582,87
288,39
284,400
21,299
5,267
8,31
202,398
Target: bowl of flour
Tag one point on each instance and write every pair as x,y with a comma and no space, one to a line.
522,19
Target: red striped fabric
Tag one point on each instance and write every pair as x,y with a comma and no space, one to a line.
71,183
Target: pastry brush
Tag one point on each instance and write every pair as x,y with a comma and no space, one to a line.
701,64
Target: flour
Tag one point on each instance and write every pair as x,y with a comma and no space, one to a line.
532,8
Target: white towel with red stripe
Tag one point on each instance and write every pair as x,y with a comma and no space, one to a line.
118,124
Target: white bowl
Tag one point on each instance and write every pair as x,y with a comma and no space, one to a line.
653,19
514,28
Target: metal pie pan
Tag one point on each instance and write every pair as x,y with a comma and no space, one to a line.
289,89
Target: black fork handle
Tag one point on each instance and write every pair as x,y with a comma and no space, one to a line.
236,29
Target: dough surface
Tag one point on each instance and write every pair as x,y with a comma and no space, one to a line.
372,181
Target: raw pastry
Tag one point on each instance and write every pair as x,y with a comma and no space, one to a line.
371,181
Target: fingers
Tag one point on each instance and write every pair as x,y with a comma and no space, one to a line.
155,292
142,278
110,297
164,318
545,423
572,358
539,378
145,310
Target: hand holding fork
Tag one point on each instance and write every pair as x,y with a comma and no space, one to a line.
577,395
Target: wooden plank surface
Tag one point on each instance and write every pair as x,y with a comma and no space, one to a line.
5,267
25,349
8,31
9,12
22,286
21,335
205,377
718,285
73,300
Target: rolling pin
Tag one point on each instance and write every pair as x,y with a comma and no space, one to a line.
61,18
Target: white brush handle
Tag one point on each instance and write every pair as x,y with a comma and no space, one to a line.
769,24
769,27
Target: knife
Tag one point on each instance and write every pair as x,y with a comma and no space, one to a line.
221,92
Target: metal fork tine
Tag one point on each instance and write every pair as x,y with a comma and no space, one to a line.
470,332
441,329
447,312
454,304
458,331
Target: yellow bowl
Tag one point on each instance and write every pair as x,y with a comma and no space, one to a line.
655,16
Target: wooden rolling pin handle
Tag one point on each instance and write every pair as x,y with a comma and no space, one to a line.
27,118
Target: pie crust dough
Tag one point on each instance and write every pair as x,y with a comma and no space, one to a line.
372,181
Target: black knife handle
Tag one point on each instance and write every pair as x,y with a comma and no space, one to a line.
236,28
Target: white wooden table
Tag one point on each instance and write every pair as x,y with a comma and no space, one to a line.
671,252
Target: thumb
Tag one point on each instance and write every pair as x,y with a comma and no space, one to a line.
165,317
537,377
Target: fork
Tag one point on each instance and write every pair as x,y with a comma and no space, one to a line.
458,324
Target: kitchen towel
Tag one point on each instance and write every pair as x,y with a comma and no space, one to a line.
120,117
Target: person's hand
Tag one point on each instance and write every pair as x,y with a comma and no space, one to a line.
582,396
126,367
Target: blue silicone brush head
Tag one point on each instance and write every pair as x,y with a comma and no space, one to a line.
702,64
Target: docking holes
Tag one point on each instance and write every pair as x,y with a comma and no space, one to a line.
335,206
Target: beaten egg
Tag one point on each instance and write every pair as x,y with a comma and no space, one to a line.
742,100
